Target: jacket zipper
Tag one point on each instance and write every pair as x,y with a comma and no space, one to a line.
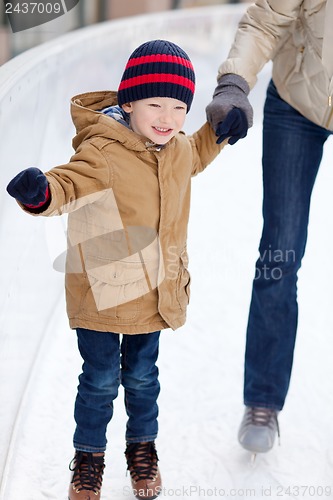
299,59
330,104
331,112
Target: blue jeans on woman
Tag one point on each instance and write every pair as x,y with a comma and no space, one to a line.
110,360
292,152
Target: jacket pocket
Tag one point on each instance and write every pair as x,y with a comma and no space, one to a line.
116,287
293,70
183,282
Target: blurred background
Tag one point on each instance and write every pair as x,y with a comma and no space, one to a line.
86,12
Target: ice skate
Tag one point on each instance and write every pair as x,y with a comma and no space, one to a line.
258,430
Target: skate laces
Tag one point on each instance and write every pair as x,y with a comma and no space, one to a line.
264,417
142,460
87,472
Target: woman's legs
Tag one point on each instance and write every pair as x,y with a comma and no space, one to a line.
292,152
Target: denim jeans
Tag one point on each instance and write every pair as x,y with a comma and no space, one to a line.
292,152
109,360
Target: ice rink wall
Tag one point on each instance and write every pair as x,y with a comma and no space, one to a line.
36,130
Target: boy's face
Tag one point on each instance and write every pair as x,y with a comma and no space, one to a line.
157,118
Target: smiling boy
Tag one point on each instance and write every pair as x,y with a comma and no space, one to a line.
127,192
159,119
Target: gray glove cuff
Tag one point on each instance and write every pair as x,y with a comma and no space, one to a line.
232,80
231,92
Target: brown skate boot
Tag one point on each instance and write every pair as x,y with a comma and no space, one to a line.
87,476
145,476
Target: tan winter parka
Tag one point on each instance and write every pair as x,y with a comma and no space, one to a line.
291,34
128,203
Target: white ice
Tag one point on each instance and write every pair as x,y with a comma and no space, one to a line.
201,365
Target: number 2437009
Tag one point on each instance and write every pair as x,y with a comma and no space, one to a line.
33,8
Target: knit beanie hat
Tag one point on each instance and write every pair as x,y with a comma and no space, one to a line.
157,68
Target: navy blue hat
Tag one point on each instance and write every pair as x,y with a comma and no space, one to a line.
157,68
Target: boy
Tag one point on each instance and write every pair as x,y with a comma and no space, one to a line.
127,192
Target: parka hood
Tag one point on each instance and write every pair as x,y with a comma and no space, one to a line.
90,122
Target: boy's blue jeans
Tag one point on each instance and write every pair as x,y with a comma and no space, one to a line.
292,152
109,360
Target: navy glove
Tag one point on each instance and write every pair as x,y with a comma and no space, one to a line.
234,126
231,92
30,187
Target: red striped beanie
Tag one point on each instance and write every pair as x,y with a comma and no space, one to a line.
157,68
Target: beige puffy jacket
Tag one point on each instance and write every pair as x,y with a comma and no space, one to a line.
128,203
290,33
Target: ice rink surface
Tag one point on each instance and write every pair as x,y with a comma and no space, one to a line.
201,364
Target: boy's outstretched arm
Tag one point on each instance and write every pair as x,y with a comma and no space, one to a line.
31,188
65,187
